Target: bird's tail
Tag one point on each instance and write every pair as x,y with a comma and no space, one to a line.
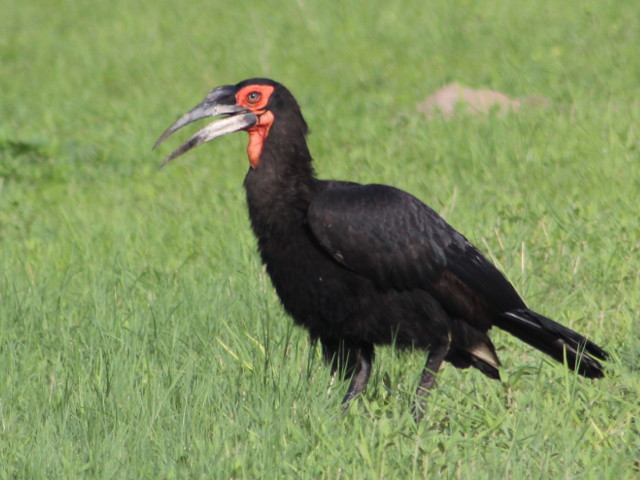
555,340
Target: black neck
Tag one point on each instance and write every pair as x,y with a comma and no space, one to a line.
280,189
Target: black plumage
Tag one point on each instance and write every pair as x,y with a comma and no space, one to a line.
365,265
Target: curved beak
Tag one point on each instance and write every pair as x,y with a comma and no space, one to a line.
219,101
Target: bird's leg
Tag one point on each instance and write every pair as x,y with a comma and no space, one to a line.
434,360
361,374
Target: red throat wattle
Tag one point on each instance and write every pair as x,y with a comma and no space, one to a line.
257,136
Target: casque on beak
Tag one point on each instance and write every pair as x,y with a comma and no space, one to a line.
219,101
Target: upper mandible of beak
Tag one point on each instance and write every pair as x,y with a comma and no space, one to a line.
219,101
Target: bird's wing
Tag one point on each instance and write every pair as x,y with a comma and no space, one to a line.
399,242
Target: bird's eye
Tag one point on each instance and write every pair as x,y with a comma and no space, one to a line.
253,97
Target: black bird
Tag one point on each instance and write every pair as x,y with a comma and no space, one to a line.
364,265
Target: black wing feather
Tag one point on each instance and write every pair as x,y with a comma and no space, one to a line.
401,243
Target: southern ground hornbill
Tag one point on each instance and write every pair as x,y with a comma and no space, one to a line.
364,265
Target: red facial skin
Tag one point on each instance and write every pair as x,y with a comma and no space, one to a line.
256,98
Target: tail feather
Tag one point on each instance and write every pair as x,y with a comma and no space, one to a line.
487,368
471,347
555,340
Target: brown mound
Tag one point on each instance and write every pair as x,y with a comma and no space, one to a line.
455,98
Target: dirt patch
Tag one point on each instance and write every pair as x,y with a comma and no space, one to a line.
454,99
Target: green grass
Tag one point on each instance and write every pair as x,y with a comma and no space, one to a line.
139,335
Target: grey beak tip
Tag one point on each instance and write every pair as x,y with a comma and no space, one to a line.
162,138
166,161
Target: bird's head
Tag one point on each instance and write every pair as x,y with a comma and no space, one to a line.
256,106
